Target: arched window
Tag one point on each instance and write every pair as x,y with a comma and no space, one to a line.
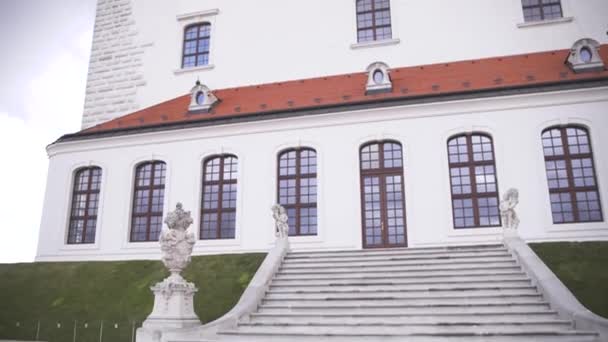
218,215
297,189
473,181
373,20
85,201
571,175
196,45
537,10
148,199
382,195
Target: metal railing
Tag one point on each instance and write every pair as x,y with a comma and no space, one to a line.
65,330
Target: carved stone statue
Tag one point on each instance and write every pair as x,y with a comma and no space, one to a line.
176,243
507,209
174,296
280,221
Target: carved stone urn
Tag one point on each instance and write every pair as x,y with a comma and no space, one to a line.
174,296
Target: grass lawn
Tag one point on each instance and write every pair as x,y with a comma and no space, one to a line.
582,267
117,293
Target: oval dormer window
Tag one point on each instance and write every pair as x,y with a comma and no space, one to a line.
586,55
378,76
200,98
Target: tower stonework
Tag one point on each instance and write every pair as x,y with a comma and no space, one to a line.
115,67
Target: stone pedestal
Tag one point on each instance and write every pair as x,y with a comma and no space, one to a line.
173,305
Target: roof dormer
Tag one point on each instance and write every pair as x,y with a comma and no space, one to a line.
202,99
378,79
585,56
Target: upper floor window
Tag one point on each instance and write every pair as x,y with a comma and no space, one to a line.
473,181
148,199
571,175
218,216
373,20
537,10
196,45
85,201
297,189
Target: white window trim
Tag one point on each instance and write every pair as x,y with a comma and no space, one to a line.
545,22
375,43
193,69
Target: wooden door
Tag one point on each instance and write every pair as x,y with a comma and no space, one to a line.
382,195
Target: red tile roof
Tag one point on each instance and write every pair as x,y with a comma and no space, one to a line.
534,69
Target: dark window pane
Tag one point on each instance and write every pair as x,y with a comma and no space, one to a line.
148,201
85,203
218,212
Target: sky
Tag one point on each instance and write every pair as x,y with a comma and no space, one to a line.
43,69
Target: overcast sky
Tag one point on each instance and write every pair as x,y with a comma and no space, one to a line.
43,68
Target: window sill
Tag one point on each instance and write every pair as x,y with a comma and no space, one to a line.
545,22
193,69
80,247
375,43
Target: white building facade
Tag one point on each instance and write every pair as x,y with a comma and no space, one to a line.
458,105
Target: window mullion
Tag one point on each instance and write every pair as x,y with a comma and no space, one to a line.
220,197
569,173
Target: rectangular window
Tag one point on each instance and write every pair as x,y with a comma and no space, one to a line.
538,10
373,20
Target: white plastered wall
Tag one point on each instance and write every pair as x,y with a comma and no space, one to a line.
264,41
515,123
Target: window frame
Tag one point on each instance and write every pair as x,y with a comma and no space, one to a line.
88,192
220,183
298,206
196,54
150,189
541,7
474,196
571,189
373,27
381,172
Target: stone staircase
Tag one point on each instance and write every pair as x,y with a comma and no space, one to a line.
471,293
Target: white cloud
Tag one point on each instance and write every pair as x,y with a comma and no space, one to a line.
52,105
22,183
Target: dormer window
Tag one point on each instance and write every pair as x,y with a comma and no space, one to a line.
202,99
584,56
378,80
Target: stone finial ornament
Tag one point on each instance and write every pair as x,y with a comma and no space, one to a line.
176,242
280,221
174,296
507,209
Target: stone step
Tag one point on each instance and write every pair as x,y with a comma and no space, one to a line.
420,273
346,280
514,317
402,266
400,294
404,329
552,336
392,300
371,287
396,251
382,260
402,309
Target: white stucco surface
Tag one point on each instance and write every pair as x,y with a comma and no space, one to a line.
514,122
136,58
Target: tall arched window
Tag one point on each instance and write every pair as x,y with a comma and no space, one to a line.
571,175
473,181
297,189
85,201
373,20
148,199
382,198
218,215
196,45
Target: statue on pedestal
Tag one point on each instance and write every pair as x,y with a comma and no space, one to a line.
507,209
174,296
280,221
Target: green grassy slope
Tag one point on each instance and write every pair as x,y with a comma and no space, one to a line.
582,267
115,292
